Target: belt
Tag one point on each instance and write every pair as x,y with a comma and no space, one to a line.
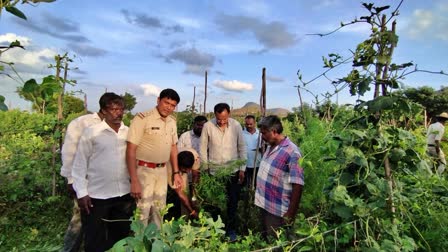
431,145
149,164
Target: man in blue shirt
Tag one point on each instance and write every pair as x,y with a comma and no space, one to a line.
251,138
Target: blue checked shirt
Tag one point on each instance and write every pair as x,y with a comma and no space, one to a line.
279,169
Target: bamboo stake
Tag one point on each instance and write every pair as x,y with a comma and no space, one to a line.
263,114
85,103
205,95
194,98
53,148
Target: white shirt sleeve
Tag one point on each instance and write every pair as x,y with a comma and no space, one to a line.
81,162
69,147
181,143
203,149
241,145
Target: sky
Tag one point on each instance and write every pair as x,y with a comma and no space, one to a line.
142,47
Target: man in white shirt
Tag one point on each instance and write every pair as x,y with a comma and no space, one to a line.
253,143
192,138
74,233
101,179
222,142
434,137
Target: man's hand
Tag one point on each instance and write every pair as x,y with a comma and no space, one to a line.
136,189
194,215
241,177
85,204
71,191
177,181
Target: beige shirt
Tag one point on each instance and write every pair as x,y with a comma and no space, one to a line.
221,146
72,135
154,136
185,176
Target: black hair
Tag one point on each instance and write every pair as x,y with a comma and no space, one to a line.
220,107
271,122
170,94
110,98
185,159
250,117
200,118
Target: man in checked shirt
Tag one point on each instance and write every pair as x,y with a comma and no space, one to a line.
280,178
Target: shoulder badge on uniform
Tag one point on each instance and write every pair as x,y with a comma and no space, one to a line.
141,115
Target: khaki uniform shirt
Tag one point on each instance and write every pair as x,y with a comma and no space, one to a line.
154,136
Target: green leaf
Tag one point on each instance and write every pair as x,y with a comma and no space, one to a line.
3,107
159,246
16,12
381,103
30,86
151,231
346,178
119,246
344,212
306,248
15,44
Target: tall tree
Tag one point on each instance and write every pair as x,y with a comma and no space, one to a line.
72,105
129,101
43,96
3,106
434,101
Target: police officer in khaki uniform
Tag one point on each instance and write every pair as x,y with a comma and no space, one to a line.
151,144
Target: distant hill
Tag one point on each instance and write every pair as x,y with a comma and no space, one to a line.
254,109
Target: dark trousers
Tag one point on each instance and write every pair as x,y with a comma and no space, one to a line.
249,176
107,223
233,196
271,223
175,210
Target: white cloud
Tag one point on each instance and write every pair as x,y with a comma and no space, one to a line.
31,60
150,90
11,37
233,85
422,20
425,24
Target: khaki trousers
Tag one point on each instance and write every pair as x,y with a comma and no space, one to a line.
154,189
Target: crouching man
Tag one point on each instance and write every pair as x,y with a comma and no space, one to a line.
189,163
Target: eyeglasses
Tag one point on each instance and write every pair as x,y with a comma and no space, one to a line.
115,109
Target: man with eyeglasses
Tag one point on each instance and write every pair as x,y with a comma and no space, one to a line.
101,179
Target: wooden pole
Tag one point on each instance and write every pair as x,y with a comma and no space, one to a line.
205,94
57,128
85,103
263,114
194,98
